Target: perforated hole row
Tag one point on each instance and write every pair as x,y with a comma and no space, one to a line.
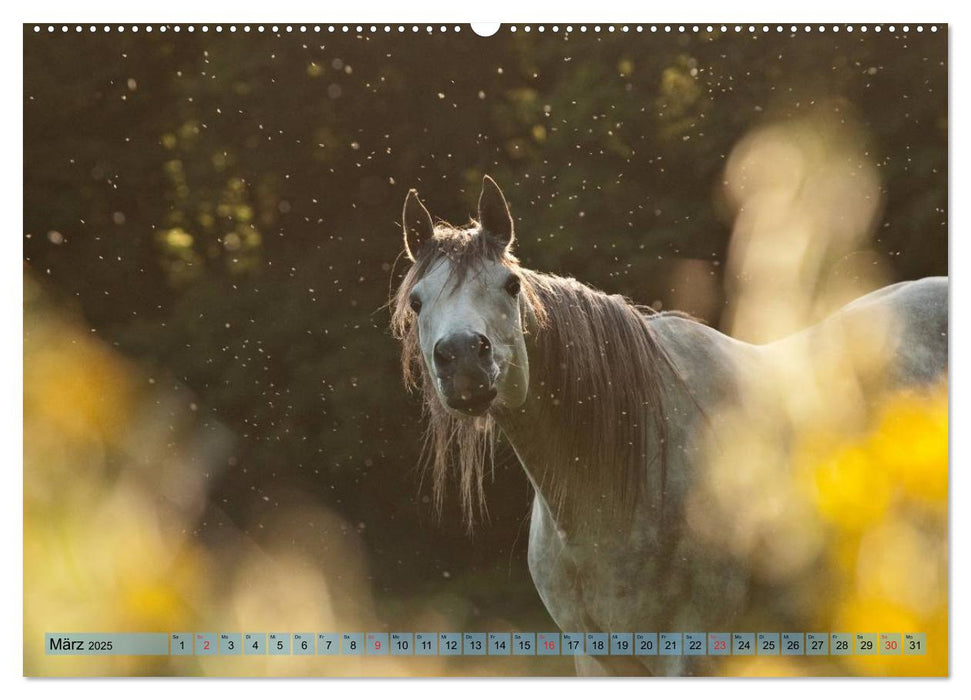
514,28
246,28
723,28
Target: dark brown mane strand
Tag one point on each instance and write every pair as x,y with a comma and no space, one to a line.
600,367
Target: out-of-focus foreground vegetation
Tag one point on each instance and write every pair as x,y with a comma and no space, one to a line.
216,435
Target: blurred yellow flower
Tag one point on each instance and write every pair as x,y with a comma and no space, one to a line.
849,491
910,443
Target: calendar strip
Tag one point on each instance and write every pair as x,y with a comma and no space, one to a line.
485,644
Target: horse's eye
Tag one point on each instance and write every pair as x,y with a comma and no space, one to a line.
513,285
415,304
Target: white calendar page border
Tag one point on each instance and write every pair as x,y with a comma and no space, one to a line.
700,11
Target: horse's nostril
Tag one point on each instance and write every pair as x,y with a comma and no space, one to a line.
485,347
443,355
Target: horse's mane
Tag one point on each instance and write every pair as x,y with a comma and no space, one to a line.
594,378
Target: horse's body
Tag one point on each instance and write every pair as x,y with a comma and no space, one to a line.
655,576
608,407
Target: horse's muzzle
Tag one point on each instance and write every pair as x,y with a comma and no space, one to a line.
466,372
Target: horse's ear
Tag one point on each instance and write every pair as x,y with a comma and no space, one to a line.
417,224
494,214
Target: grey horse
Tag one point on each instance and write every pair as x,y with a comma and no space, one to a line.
603,403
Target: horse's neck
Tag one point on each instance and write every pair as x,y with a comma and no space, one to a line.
704,366
532,430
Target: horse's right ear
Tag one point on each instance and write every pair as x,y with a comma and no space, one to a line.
417,224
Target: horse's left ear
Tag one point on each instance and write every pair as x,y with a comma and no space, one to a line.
494,214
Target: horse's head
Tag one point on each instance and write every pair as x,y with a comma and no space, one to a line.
460,309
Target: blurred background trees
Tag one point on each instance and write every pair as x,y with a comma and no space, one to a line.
218,213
